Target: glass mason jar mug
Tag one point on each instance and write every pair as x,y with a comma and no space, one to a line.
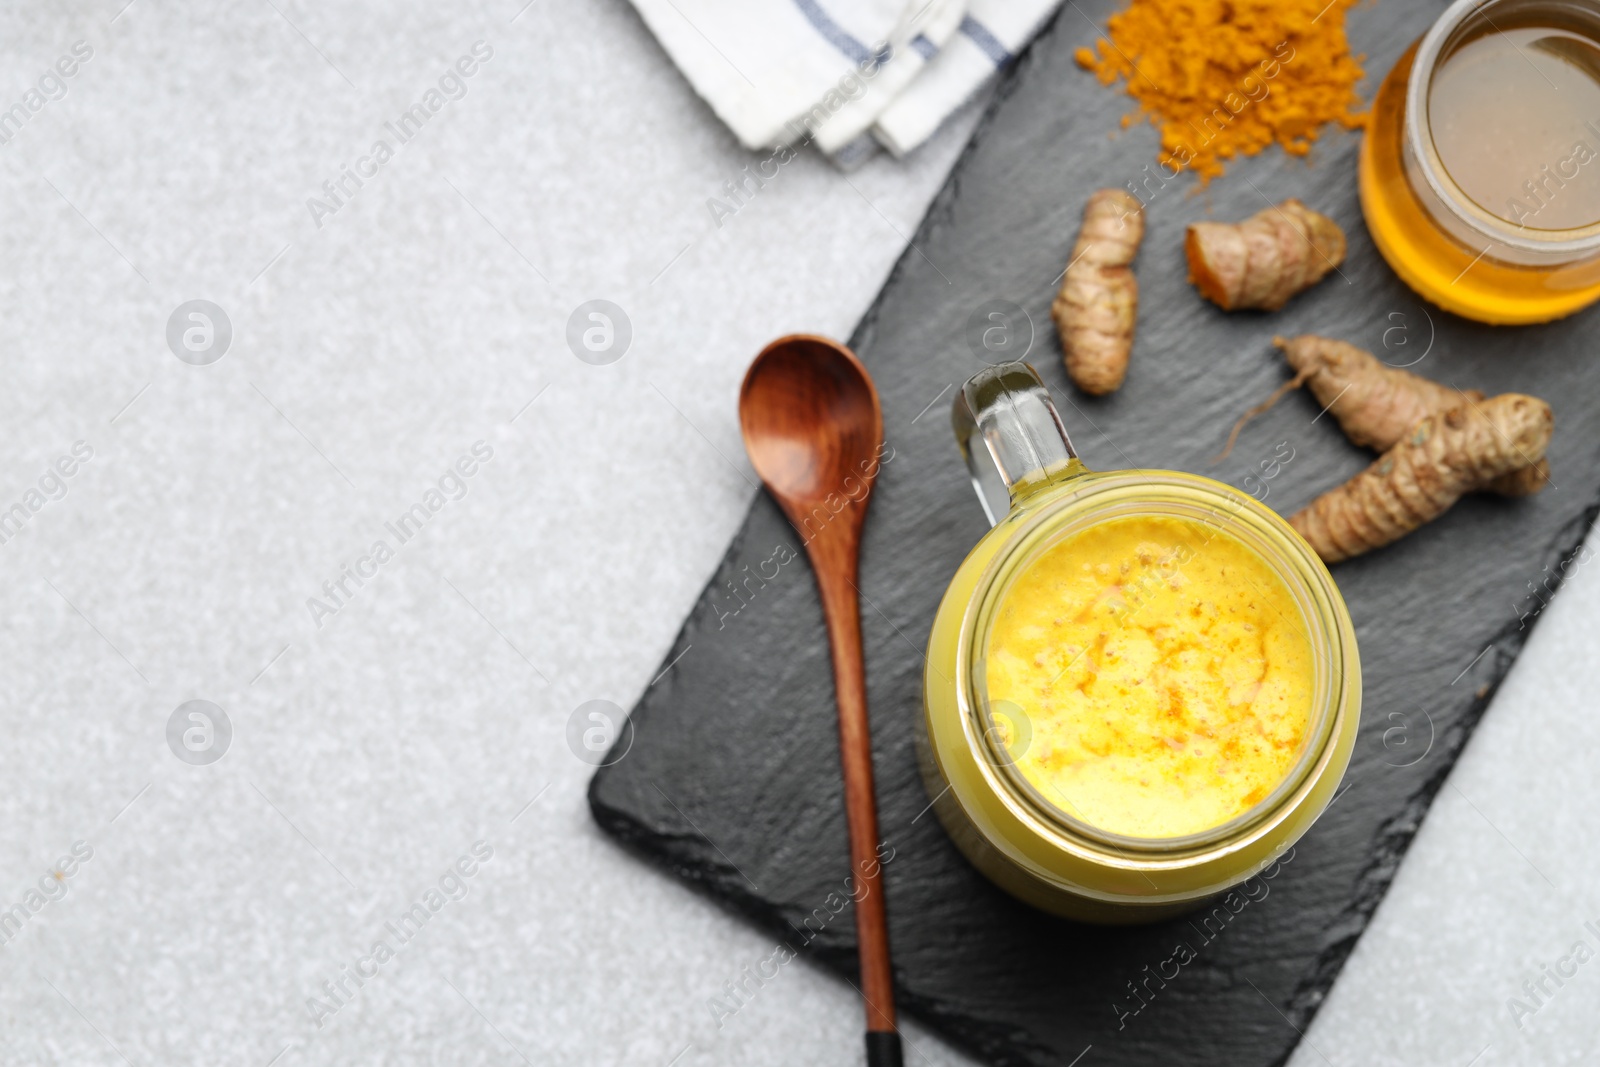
1142,687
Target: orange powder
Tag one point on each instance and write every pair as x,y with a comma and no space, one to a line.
1227,78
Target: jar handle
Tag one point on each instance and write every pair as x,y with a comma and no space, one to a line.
1011,437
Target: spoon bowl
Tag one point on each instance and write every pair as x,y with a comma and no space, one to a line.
811,420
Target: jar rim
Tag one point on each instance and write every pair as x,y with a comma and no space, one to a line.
1562,246
1094,498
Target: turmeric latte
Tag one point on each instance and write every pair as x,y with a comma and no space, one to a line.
1153,676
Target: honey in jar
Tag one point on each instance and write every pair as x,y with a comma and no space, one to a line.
1480,174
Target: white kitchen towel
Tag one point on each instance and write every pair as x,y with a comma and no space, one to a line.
778,71
927,28
989,37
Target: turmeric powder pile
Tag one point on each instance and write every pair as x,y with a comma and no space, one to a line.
1227,78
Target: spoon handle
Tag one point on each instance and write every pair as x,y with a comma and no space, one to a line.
836,582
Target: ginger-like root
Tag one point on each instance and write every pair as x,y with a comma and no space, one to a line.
1265,260
1376,404
1094,311
1448,454
1523,482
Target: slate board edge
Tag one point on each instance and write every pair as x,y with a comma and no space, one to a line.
698,862
727,889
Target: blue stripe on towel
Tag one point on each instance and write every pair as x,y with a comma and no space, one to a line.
823,23
925,48
987,42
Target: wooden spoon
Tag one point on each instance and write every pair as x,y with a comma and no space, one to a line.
814,432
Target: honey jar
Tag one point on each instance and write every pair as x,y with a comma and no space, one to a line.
1480,171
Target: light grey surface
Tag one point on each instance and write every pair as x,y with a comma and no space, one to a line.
1498,885
428,313
369,754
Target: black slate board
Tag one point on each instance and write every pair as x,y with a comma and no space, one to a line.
733,782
